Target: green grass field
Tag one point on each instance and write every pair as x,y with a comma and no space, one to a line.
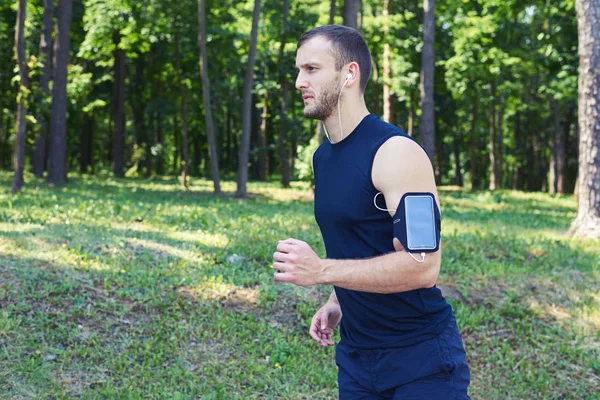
134,289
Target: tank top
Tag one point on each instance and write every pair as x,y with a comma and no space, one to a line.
353,228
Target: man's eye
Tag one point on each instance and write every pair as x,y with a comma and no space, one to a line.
312,68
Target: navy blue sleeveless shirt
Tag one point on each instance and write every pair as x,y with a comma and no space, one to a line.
353,228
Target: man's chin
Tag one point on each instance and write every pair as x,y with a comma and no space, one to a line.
313,114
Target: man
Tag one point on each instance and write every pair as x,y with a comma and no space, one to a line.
399,338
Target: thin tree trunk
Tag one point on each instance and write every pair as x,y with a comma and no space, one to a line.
228,139
242,178
458,177
331,11
351,13
160,157
411,115
262,140
554,106
119,113
427,126
518,153
177,150
493,160
38,158
2,145
211,135
57,155
138,106
473,144
587,222
184,119
563,146
282,139
558,161
21,127
500,147
387,98
86,140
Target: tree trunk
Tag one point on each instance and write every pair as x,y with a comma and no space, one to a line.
387,98
119,112
558,161
351,13
211,135
473,144
439,165
493,159
86,143
228,138
282,139
500,147
458,177
2,145
242,178
263,164
21,127
183,92
587,223
38,158
427,126
411,115
568,121
516,185
138,106
331,10
57,155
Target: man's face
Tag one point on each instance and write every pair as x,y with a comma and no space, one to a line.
317,78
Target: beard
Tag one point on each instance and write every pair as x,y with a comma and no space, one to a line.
325,105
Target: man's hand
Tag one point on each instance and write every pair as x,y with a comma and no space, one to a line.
397,245
296,263
324,322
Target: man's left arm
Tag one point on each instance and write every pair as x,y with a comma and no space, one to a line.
400,166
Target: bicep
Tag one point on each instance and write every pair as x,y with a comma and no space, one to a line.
401,166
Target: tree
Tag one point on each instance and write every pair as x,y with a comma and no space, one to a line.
351,13
21,126
283,152
118,108
587,222
184,116
331,10
57,160
387,98
242,178
38,158
427,126
208,116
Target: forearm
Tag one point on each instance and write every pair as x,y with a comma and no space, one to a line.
389,273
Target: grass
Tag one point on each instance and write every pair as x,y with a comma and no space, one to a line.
134,289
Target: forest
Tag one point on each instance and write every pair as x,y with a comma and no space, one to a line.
162,88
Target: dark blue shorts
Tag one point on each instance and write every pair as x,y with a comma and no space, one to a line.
431,370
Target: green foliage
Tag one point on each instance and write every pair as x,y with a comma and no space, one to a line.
528,50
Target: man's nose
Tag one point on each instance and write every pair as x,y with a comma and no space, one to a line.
301,82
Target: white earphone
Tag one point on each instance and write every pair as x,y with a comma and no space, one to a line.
338,107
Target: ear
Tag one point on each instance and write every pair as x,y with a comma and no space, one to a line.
353,73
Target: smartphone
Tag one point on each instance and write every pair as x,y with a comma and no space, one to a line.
420,217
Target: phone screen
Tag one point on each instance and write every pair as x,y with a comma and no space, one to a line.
420,222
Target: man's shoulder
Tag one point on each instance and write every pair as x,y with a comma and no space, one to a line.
382,130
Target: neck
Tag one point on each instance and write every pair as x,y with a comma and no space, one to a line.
351,113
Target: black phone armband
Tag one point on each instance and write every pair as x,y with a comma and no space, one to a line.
417,223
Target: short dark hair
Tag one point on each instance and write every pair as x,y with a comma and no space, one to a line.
348,45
